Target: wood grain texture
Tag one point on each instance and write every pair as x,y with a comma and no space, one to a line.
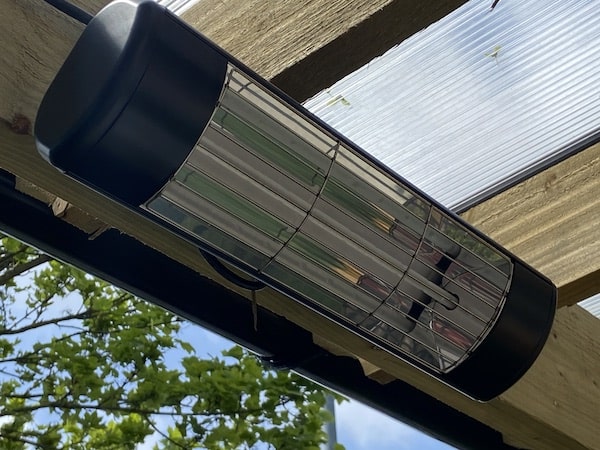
566,371
552,221
36,39
563,386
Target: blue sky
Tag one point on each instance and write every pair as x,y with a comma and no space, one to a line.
360,428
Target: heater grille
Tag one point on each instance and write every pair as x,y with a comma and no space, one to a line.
277,193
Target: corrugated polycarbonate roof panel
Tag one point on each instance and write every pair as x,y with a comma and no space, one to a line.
592,304
480,99
177,6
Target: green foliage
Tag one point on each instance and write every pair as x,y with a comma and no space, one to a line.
82,366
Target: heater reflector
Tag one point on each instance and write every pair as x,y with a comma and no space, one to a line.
275,192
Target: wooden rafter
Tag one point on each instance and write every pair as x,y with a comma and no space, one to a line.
548,220
552,221
553,406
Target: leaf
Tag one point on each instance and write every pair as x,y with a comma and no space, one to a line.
494,53
186,346
234,352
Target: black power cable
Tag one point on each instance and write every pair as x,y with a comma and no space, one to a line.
221,269
71,10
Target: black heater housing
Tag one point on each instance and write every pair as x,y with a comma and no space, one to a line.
133,99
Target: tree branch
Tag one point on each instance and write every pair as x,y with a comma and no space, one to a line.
12,331
5,412
22,268
38,311
214,415
10,256
162,433
10,374
23,359
121,389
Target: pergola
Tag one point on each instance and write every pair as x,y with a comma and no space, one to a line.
550,220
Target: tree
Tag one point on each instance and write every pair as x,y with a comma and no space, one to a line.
83,366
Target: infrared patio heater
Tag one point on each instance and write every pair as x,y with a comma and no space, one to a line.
148,112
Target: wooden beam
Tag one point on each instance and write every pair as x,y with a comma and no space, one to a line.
554,406
552,221
63,209
36,39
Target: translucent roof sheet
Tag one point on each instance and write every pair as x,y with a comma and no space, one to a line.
177,6
478,100
592,304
